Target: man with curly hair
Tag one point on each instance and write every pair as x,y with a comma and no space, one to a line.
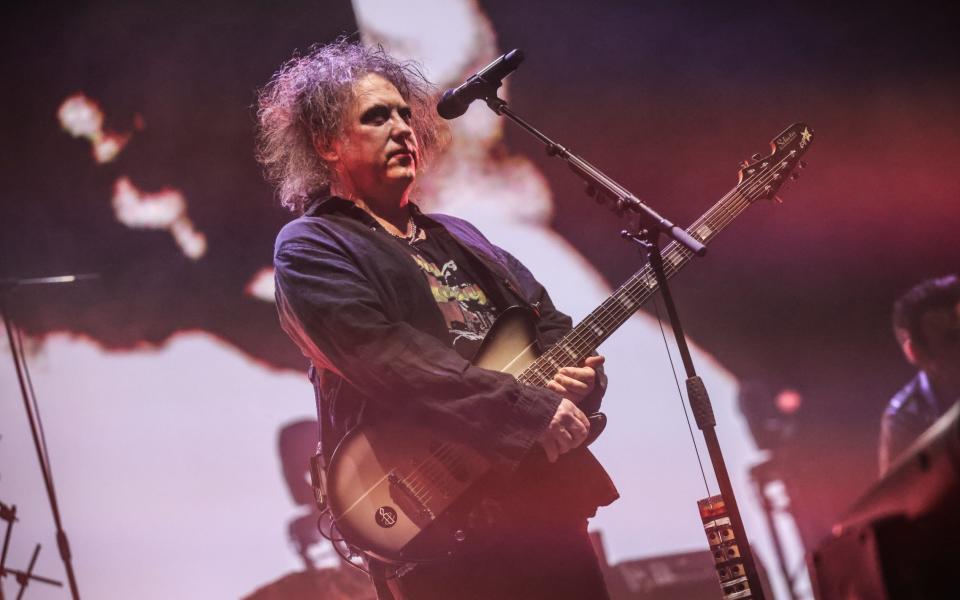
389,304
926,323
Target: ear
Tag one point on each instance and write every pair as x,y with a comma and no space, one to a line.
906,344
328,151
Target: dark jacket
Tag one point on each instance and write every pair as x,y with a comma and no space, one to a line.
361,311
910,412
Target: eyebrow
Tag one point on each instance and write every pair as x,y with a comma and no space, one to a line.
381,109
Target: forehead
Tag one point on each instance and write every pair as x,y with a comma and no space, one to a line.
373,89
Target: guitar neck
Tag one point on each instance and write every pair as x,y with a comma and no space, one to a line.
600,324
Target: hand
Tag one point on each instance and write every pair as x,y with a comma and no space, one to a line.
576,383
567,430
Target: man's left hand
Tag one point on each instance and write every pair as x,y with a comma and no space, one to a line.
576,383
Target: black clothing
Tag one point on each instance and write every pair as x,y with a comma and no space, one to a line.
910,412
459,287
350,295
360,309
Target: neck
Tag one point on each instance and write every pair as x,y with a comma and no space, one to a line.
390,210
945,389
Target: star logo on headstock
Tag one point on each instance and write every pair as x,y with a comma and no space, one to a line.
806,135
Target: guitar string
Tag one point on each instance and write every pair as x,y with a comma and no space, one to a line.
444,450
675,257
674,250
612,309
428,470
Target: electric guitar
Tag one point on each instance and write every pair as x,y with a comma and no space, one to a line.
405,493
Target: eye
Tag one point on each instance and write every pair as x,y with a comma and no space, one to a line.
405,113
376,115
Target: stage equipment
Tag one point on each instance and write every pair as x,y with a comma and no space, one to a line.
760,177
9,514
7,287
455,101
762,475
896,540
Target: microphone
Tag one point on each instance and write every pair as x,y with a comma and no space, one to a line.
455,101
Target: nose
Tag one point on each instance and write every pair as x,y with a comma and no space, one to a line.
401,129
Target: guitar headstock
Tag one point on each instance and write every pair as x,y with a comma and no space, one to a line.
761,177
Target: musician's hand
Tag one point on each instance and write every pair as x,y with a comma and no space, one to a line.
567,430
576,383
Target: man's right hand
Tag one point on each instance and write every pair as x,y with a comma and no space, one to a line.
567,430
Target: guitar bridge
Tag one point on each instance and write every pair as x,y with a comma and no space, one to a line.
409,502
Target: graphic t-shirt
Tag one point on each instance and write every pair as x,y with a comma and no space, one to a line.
455,283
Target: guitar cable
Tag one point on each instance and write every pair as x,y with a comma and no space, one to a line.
683,407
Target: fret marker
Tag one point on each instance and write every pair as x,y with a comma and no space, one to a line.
651,282
703,231
627,303
569,352
596,330
675,259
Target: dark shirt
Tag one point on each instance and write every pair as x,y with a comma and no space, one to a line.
460,286
910,412
360,309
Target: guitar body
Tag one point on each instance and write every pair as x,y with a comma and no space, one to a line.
406,493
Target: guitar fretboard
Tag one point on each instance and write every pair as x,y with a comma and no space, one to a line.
600,324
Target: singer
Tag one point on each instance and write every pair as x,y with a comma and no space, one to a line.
390,304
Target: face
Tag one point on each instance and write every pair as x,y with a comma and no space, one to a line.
941,329
376,156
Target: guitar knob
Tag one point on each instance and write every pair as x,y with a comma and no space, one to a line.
459,535
794,176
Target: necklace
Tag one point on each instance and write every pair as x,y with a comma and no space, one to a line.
416,233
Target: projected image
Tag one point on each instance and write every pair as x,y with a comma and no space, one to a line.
178,416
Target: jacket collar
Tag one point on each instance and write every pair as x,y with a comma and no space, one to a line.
336,204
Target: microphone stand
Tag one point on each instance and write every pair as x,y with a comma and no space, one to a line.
7,286
651,226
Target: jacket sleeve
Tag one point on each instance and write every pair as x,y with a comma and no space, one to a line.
553,324
332,311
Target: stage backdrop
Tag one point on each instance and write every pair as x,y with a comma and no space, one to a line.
165,384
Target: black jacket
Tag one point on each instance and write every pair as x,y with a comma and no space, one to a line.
361,311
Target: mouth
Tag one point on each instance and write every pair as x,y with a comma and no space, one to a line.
404,155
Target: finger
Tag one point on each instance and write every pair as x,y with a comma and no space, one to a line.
556,387
579,437
584,374
579,417
574,385
578,433
562,445
594,361
564,440
550,449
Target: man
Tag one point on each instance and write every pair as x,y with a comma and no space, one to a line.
926,322
389,304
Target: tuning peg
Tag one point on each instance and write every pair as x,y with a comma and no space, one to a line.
778,199
802,164
756,156
744,164
794,176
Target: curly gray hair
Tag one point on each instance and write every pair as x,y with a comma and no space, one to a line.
303,105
